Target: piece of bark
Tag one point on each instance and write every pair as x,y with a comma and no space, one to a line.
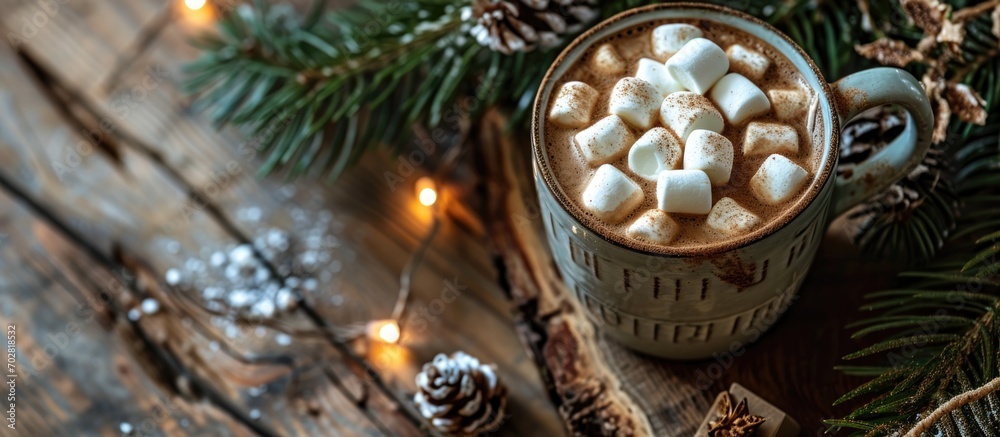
586,392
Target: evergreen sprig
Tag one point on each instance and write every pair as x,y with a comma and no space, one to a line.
915,234
938,334
339,83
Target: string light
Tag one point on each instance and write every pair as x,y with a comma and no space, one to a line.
389,331
194,5
426,193
384,330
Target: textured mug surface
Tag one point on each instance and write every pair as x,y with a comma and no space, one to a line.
691,303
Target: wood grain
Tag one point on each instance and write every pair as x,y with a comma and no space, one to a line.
122,225
80,366
160,156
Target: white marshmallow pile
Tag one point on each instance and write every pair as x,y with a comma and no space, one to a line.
605,140
657,150
573,105
777,180
747,62
635,101
657,75
611,195
669,118
738,98
711,153
698,65
730,218
607,61
763,138
684,112
654,226
669,38
684,191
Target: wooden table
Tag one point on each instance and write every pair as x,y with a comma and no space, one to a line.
88,230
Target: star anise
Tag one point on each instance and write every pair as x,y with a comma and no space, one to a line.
734,421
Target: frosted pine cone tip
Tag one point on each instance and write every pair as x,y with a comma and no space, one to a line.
459,395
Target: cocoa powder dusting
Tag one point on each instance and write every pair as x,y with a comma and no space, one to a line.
733,271
572,173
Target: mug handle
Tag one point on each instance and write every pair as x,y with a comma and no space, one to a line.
865,90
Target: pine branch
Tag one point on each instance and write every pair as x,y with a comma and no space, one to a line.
912,220
343,81
327,87
938,334
952,405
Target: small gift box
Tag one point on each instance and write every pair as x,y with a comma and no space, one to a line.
740,412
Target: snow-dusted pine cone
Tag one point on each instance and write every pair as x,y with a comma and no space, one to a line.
509,26
871,132
460,396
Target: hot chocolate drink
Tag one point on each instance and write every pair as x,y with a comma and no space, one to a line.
682,134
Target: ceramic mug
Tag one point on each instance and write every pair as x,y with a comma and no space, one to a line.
688,303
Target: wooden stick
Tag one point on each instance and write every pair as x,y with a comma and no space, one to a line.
955,403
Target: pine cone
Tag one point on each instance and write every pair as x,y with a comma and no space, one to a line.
509,26
870,133
911,219
460,396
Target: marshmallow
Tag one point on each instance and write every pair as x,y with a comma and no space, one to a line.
739,99
656,74
607,61
747,62
573,105
788,104
655,151
684,111
777,180
767,138
635,101
654,226
669,38
711,153
605,140
610,195
730,218
684,191
698,65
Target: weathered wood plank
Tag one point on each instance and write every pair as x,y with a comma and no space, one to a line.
50,26
161,127
80,369
115,206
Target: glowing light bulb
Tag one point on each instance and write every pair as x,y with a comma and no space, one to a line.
426,193
389,332
194,5
383,330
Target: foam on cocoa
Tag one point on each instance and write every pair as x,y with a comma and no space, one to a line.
572,172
